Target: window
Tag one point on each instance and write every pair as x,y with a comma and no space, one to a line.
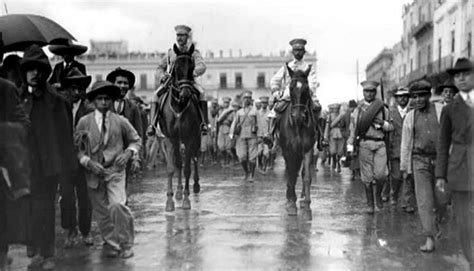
452,41
98,77
411,64
428,60
238,80
419,59
261,80
469,45
223,81
143,83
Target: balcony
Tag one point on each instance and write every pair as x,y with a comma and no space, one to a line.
421,29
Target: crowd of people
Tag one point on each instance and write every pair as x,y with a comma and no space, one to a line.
86,143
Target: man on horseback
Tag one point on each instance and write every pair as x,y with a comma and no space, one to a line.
165,74
280,82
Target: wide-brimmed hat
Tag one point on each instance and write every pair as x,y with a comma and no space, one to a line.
401,91
447,84
70,49
103,87
121,72
462,64
75,76
35,56
420,86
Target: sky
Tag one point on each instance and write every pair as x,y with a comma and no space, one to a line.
342,32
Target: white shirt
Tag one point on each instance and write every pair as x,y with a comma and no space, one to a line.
118,105
402,111
281,80
464,95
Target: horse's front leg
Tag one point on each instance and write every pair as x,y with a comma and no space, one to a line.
196,186
306,198
169,153
179,169
187,174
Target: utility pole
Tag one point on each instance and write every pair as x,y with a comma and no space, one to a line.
357,79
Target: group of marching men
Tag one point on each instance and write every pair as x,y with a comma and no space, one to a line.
423,147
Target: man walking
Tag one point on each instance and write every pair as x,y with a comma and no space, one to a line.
103,153
244,127
455,160
224,121
371,121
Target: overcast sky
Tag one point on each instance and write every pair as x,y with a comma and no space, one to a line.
340,31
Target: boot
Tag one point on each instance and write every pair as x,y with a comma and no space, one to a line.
252,171
273,126
204,117
378,194
246,169
369,193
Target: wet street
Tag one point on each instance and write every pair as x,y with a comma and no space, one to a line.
235,225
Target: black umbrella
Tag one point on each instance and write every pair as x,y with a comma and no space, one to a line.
21,30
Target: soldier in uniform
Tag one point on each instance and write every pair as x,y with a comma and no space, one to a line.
398,113
371,121
263,134
333,133
280,82
224,142
246,144
165,67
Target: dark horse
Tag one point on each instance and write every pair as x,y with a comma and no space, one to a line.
180,124
297,138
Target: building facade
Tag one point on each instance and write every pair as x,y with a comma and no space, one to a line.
225,75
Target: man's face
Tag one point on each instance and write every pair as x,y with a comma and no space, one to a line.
258,106
182,39
102,102
123,84
420,100
402,100
448,94
464,80
74,93
369,95
68,58
226,104
264,105
34,76
247,101
298,53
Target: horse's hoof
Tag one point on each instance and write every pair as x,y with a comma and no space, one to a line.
169,206
291,209
196,188
179,194
186,204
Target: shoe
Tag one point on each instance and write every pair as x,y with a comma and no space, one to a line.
36,262
110,252
88,240
31,251
71,238
126,253
369,193
410,210
429,246
48,264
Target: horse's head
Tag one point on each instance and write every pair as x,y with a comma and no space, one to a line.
300,96
183,72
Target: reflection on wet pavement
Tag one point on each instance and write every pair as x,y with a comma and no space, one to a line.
235,225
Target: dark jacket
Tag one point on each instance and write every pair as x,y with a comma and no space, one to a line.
454,150
131,112
60,71
14,126
396,134
84,109
50,138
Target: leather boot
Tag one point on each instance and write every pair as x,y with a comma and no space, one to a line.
252,171
204,117
245,166
369,193
378,194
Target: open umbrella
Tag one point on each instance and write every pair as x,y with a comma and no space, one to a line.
21,30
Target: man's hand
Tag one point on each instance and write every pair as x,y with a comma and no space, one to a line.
123,158
441,184
150,131
96,168
350,148
57,85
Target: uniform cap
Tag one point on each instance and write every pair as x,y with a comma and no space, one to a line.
182,29
264,99
401,91
247,94
369,85
298,43
226,99
420,86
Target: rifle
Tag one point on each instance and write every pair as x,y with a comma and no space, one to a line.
387,134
